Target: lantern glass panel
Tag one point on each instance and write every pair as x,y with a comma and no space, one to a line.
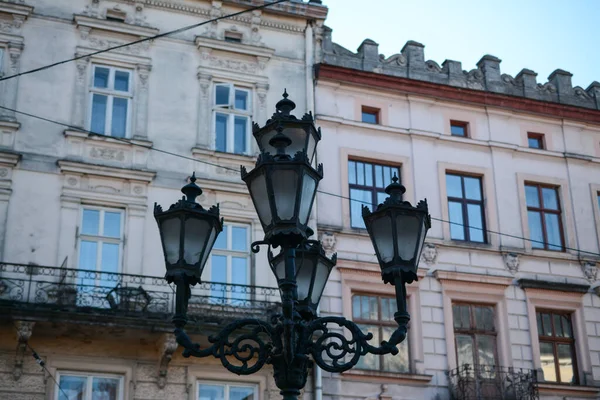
309,186
408,234
209,245
171,231
321,276
422,235
295,133
285,185
382,233
278,267
258,190
304,276
312,145
196,232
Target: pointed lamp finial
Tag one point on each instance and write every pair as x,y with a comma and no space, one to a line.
191,190
395,189
285,105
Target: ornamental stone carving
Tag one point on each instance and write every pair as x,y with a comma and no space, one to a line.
590,271
233,65
168,345
429,253
107,154
512,261
328,241
24,331
255,37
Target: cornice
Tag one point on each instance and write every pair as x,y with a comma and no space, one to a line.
114,26
472,278
238,48
16,9
67,166
9,158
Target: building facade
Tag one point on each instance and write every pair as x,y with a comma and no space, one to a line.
507,316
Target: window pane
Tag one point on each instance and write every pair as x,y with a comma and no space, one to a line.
239,271
101,77
379,176
122,81
221,132
457,230
73,386
373,308
211,392
553,232
547,361
472,188
364,307
119,117
385,309
388,174
88,252
370,361
239,238
461,315
532,196
484,318
218,273
98,123
538,317
239,135
241,100
110,257
565,363
399,362
475,223
221,242
458,130
535,229
534,143
599,201
464,350
486,350
91,222
360,173
351,172
566,324
105,389
369,117
368,174
381,196
357,199
222,95
550,198
241,393
454,186
112,224
547,325
355,307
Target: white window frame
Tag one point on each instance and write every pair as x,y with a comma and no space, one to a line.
89,376
231,113
111,94
227,385
99,238
234,253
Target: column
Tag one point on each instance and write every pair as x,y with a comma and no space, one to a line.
141,101
134,250
79,95
204,139
10,87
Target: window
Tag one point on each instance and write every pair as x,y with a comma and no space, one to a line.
111,95
367,186
230,260
475,335
375,314
535,140
459,128
116,15
557,346
100,244
370,115
232,114
465,208
220,391
544,217
233,37
89,387
1,61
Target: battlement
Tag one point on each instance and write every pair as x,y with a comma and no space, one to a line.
410,63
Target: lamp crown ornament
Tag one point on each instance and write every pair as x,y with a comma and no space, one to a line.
395,189
285,105
191,190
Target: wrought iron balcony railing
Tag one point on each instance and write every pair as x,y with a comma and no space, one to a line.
483,382
43,288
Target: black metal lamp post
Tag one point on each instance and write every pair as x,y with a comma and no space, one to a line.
283,186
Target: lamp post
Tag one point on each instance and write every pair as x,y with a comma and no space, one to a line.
283,186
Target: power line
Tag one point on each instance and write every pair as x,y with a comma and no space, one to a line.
237,170
185,28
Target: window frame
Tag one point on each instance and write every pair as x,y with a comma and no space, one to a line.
461,124
89,376
539,137
373,111
227,385
543,211
555,341
474,332
111,94
2,58
231,113
100,238
373,189
464,201
380,324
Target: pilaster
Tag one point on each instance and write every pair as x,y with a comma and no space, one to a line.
141,116
204,111
10,86
79,95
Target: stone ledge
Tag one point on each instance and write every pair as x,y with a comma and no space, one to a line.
565,390
391,377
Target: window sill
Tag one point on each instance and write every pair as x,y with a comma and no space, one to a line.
391,377
568,390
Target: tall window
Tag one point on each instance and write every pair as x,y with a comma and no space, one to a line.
465,208
89,387
475,335
220,391
544,217
100,244
557,346
230,262
367,186
232,115
111,95
375,314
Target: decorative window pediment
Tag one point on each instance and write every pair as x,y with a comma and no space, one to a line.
12,16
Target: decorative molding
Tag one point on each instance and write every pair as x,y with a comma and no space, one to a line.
84,21
473,278
328,242
590,270
511,260
24,331
236,48
429,253
527,283
8,131
167,346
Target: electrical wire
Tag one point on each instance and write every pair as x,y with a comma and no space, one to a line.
237,170
160,35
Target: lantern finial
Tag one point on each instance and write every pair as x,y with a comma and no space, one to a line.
191,190
395,189
285,105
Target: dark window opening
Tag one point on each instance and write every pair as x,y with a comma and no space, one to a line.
459,128
370,115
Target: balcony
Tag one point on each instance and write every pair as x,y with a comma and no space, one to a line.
481,382
61,294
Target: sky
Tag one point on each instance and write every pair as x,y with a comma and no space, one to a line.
541,35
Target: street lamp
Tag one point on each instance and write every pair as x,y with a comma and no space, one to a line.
283,186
